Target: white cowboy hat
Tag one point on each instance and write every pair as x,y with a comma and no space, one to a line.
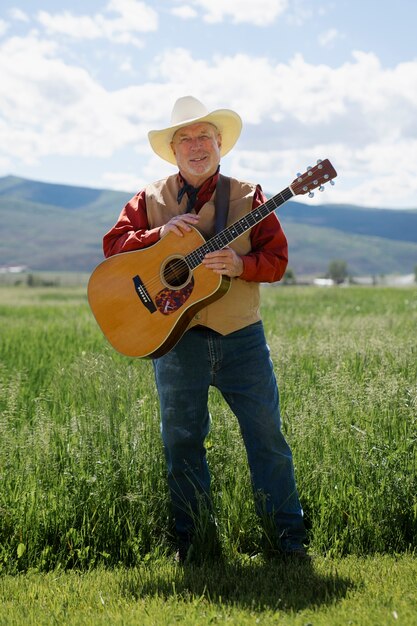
189,110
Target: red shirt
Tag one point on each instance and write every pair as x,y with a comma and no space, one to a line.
266,262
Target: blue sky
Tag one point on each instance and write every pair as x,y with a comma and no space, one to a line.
81,83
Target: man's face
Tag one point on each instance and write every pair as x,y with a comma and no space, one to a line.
197,151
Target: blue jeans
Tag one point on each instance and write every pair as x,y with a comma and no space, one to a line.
239,366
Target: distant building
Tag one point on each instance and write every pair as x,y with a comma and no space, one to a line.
324,282
13,269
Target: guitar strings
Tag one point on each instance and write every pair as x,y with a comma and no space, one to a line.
210,245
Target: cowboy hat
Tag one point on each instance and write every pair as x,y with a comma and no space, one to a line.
188,110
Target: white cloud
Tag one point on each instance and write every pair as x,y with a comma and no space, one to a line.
135,178
359,114
185,12
259,13
297,90
52,108
130,18
65,23
18,15
384,169
126,66
327,38
3,27
371,176
307,111
121,181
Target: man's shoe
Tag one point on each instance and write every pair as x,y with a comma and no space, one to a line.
297,554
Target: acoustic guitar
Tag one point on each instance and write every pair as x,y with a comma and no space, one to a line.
144,300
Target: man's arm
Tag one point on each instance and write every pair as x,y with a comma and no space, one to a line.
131,231
268,259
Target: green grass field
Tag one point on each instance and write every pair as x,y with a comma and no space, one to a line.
84,510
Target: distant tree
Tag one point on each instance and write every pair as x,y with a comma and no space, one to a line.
289,277
415,274
31,280
337,271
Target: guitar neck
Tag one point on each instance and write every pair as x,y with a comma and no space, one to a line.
232,232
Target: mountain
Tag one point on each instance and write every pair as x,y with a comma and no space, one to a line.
60,228
400,225
55,227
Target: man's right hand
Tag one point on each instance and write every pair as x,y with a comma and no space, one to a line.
179,224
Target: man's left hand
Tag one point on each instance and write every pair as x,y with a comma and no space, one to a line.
225,261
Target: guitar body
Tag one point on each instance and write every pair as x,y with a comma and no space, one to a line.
144,300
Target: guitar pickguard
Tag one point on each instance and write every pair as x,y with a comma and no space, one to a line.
170,300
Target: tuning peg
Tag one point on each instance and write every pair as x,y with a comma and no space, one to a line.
319,161
321,188
311,194
298,174
332,182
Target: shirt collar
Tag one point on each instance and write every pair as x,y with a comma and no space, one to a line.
208,186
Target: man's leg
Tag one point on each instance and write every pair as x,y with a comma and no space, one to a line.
182,379
248,384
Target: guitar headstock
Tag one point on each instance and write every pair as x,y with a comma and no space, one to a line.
313,178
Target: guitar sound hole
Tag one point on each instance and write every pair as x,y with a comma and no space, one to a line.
176,273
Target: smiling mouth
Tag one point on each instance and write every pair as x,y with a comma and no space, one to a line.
198,159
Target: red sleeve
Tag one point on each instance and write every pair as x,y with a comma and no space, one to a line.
131,231
268,260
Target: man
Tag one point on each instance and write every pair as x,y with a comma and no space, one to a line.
224,345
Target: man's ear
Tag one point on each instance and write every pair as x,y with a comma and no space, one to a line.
172,147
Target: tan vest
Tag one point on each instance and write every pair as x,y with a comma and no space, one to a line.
239,307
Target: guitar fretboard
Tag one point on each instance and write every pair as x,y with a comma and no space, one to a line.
232,232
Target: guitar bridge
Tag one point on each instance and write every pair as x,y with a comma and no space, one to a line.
143,294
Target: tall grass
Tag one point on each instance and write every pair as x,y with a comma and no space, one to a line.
348,363
82,475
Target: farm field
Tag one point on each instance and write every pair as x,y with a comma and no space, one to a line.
84,517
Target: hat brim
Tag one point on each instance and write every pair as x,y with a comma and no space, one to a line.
228,123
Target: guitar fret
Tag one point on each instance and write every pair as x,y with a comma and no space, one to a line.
232,232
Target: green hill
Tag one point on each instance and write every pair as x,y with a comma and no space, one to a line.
60,228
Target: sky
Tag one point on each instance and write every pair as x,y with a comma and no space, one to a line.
82,83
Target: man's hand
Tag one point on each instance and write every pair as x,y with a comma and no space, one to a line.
179,224
225,261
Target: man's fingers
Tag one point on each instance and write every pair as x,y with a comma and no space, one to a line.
180,224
